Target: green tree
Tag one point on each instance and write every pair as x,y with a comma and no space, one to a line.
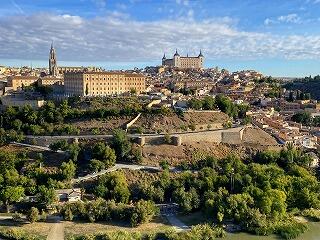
113,186
209,103
96,165
11,194
17,124
143,212
195,103
304,118
136,153
73,150
59,145
121,144
187,200
46,195
68,170
103,152
238,205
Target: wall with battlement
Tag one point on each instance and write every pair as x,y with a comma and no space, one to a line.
230,136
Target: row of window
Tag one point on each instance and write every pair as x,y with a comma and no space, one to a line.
126,79
114,88
138,83
107,93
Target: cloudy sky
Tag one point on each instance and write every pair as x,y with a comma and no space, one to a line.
277,37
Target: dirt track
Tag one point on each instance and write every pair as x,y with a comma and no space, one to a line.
56,230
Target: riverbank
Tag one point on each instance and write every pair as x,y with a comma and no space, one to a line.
312,234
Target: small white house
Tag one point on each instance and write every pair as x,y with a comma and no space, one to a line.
69,195
315,159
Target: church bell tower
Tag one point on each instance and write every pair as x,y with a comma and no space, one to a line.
53,68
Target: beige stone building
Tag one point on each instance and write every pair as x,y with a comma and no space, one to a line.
3,70
18,82
102,83
184,62
63,70
49,81
19,100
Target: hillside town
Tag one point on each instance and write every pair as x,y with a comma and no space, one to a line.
271,106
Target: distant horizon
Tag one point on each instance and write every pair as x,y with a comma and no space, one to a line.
263,66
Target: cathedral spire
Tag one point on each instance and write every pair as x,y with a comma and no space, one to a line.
200,54
176,54
53,68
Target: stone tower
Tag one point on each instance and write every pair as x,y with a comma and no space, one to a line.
164,59
201,58
176,59
53,68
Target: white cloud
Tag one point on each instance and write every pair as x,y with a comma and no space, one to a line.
100,3
183,2
119,38
268,21
290,18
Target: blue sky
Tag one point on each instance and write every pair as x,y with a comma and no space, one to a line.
276,37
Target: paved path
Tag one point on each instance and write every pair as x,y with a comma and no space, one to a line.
177,224
56,230
112,169
34,146
117,167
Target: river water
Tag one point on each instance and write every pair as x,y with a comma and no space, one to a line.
312,234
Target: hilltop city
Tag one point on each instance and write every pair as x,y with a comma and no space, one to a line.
174,151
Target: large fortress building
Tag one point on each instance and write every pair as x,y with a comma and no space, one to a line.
102,83
184,62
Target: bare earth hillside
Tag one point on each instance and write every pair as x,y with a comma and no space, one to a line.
175,123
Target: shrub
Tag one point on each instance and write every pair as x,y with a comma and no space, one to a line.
136,154
167,138
95,131
164,164
33,215
59,145
312,214
17,217
67,214
192,126
16,234
96,165
291,230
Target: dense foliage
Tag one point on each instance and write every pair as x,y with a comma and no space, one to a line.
54,118
198,232
256,193
306,85
102,210
220,102
21,177
306,119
